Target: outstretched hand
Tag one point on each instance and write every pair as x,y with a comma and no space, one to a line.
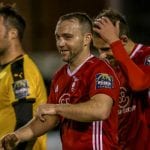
8,142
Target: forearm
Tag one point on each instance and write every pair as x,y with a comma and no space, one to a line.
91,110
36,128
133,72
73,112
24,134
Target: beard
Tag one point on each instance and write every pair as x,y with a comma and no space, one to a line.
2,52
73,56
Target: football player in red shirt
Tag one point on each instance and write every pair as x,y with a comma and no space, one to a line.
83,96
131,62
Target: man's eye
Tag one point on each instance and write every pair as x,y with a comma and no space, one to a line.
68,37
105,49
57,37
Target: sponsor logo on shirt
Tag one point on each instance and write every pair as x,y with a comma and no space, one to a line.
147,60
127,110
104,81
124,102
21,89
19,75
64,99
123,98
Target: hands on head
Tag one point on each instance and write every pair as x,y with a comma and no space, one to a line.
105,28
8,142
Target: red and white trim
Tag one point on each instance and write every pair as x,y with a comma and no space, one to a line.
97,139
136,50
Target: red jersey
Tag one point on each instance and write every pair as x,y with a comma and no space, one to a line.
131,68
134,107
92,77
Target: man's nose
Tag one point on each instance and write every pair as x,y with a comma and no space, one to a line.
61,42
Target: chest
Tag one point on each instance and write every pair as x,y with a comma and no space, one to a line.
6,86
71,89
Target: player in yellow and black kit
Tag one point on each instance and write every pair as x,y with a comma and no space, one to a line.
21,85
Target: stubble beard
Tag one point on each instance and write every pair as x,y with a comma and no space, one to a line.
2,52
73,56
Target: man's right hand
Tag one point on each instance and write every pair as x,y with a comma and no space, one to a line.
46,109
106,30
9,141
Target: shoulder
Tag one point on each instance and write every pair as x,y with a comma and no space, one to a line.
26,66
99,64
30,66
60,71
29,61
24,61
141,54
142,49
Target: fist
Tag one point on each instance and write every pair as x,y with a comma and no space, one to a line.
8,142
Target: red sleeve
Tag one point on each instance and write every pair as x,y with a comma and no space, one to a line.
106,81
51,97
138,79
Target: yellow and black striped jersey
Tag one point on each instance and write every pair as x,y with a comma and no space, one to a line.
21,91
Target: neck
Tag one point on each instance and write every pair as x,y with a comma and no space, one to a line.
11,53
129,46
81,58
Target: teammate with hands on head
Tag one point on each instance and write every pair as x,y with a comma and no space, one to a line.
116,34
131,63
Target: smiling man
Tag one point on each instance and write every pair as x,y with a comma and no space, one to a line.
83,96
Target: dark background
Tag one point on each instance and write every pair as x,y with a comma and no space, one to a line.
41,17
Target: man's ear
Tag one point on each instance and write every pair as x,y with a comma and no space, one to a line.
13,33
117,25
88,38
124,39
